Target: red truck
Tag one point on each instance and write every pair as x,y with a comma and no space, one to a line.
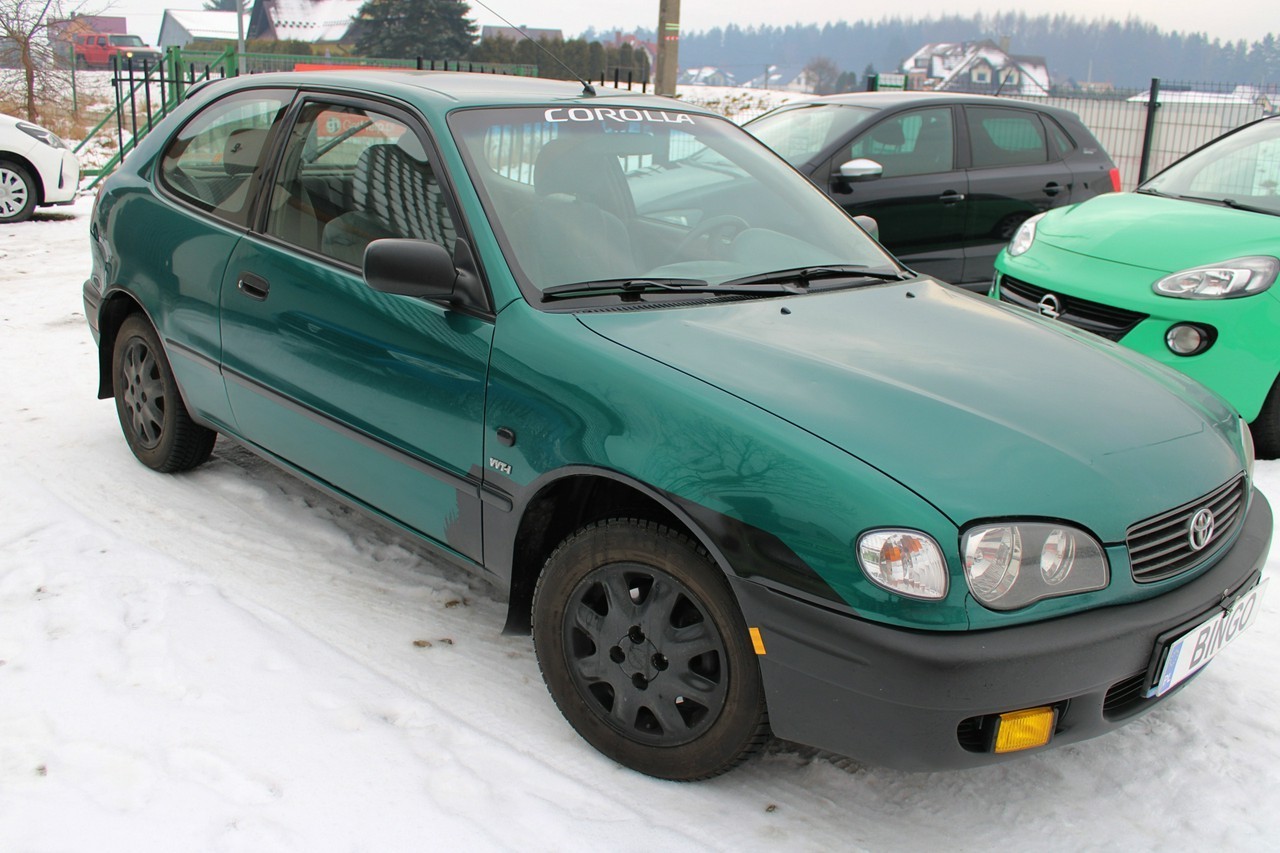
93,50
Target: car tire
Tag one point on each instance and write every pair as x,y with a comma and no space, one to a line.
18,192
1266,427
645,652
156,424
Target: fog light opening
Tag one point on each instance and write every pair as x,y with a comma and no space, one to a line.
1027,729
1187,339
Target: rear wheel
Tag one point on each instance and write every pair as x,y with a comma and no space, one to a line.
18,192
160,431
1266,428
644,651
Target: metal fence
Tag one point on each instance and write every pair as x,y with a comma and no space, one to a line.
1146,130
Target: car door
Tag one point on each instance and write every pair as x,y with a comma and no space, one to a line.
379,396
919,200
177,241
1015,171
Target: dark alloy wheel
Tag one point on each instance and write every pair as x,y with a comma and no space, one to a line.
643,649
160,431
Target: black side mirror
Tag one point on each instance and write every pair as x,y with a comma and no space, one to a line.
424,270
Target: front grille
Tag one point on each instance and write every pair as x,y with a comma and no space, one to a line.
1125,697
1105,320
1161,547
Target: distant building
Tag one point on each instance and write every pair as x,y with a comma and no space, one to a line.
783,79
302,20
179,28
979,67
107,25
488,33
706,76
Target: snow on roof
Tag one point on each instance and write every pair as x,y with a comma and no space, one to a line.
311,20
201,23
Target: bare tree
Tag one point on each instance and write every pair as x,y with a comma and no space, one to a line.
24,36
823,73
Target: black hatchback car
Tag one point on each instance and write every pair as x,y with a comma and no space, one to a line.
948,177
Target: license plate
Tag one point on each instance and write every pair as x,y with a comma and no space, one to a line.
1190,652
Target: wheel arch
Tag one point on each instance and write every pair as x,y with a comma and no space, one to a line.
117,306
30,168
570,499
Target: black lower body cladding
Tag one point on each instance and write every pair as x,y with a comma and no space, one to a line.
913,700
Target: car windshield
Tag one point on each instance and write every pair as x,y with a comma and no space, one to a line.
609,194
126,41
800,134
1241,170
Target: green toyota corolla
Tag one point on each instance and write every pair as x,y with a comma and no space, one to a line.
1182,270
737,469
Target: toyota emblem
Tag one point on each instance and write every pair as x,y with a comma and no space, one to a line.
1049,306
1200,531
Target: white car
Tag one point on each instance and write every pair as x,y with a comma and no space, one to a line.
36,169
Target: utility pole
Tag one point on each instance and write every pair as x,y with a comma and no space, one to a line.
240,60
664,81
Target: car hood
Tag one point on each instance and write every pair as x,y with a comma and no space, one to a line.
981,411
1160,234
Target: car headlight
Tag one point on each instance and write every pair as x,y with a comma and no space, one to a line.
1024,236
1229,279
907,562
1016,564
45,136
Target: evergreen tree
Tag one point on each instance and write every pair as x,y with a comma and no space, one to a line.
404,29
226,5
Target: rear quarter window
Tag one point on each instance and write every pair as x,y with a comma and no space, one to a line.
211,162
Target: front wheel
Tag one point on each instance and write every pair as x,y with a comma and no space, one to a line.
643,649
17,192
160,431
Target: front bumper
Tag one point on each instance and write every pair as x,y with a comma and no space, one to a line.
914,700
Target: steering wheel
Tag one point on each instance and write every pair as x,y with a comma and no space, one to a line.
718,233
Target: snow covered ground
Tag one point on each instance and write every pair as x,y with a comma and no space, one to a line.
227,660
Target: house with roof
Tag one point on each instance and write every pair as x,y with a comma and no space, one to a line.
782,78
302,20
977,67
706,76
488,33
180,27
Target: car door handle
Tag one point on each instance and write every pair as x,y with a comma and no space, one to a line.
951,197
253,286
1052,188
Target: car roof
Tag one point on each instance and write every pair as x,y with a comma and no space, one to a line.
446,90
889,100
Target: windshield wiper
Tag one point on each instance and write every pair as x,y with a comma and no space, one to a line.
805,275
624,286
1231,203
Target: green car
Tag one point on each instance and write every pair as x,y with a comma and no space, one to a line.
1180,270
737,470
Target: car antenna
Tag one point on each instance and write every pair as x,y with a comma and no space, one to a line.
587,89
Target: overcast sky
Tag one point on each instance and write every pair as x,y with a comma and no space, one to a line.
1238,19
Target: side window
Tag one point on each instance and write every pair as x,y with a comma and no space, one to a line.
1005,137
351,176
919,142
212,160
102,41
